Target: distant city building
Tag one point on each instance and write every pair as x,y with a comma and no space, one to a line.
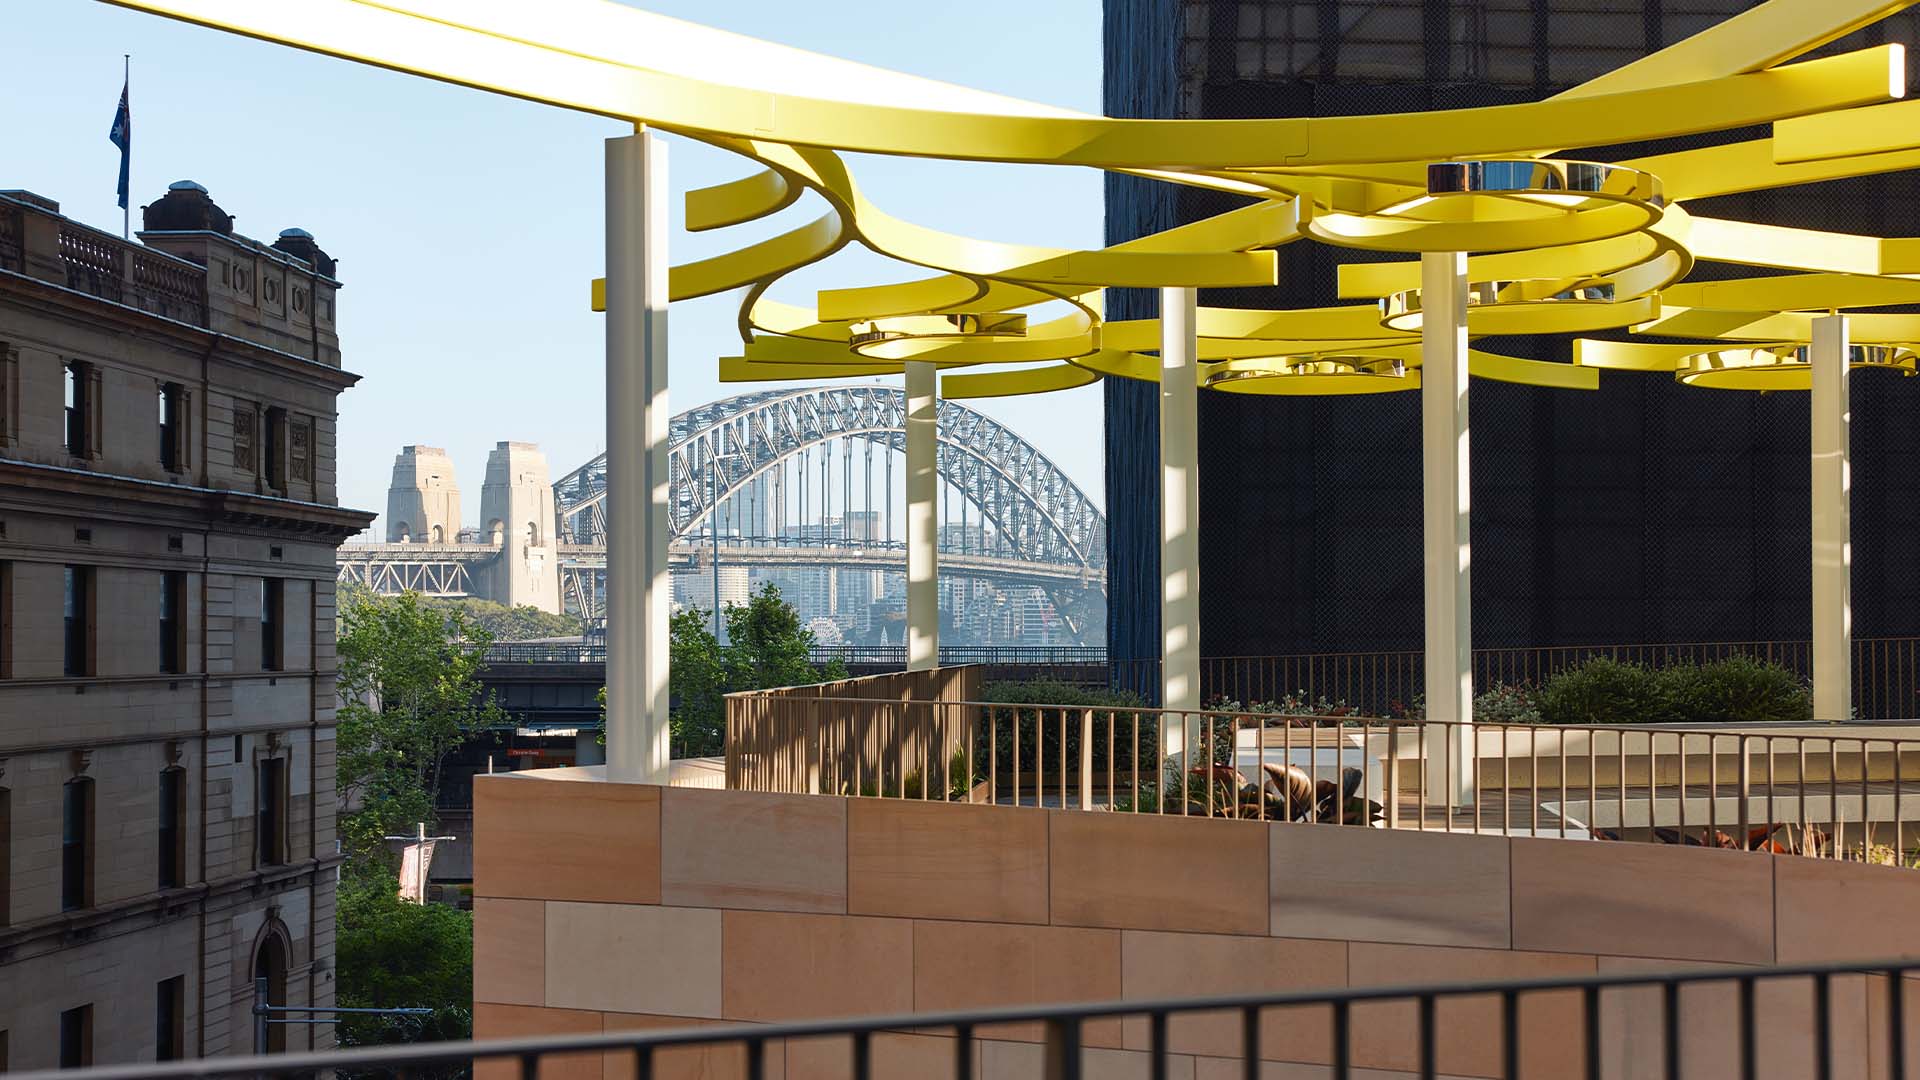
168,520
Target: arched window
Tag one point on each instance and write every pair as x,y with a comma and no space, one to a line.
403,533
439,535
270,964
496,532
533,534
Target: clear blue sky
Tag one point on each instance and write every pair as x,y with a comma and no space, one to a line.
468,226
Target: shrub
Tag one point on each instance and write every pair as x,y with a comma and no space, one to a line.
1111,709
1507,703
1603,691
1736,690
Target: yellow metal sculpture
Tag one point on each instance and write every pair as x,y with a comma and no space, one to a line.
1561,246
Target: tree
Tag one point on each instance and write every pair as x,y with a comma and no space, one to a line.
409,694
768,646
502,623
391,952
697,686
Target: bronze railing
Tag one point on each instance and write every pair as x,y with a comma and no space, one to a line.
831,737
1886,672
1830,790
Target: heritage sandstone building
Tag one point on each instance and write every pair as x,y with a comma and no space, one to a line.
168,521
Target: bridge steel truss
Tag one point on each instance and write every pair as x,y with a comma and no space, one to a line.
1040,515
427,569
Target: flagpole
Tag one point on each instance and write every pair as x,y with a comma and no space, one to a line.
126,87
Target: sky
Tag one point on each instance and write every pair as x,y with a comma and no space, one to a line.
468,225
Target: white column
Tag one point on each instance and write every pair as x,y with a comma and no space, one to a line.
1445,536
923,516
638,588
1832,528
1179,509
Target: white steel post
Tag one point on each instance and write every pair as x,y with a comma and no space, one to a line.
1832,528
1179,510
638,588
923,513
1445,527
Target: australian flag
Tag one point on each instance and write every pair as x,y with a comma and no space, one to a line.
122,137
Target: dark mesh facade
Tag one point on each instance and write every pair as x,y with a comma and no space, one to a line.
1644,512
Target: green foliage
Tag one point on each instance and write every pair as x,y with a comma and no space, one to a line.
409,693
767,646
1507,703
391,953
1040,735
503,623
1297,703
498,621
1737,690
697,685
1604,691
1057,692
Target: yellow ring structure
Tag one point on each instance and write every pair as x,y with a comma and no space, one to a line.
1781,367
1560,246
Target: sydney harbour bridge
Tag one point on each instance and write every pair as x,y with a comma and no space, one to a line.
805,479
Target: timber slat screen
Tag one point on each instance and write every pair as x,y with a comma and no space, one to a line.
1824,790
851,737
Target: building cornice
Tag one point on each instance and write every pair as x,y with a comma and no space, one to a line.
231,509
96,310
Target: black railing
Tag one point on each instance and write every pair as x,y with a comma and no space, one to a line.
1558,1023
595,652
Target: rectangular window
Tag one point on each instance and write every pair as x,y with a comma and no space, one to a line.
76,1037
6,861
79,392
78,609
9,405
170,1019
300,452
6,620
173,828
173,623
276,448
270,805
172,426
243,437
76,845
272,600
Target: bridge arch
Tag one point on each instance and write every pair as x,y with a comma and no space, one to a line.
1043,514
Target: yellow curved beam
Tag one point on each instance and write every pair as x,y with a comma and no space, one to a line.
607,59
1017,381
736,202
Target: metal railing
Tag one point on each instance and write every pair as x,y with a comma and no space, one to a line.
1886,672
895,656
1548,1027
1831,790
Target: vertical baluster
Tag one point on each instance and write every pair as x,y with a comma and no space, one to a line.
1429,1063
1250,1042
1670,1024
1897,1024
1749,1059
1899,824
1342,1069
1833,796
1510,1034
